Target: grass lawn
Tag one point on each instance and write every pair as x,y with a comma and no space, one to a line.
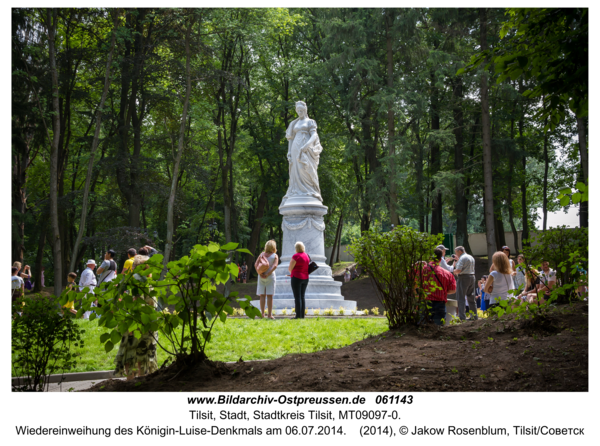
250,339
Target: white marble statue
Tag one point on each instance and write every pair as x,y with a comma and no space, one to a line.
302,210
304,149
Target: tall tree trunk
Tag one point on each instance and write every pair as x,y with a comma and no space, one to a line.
88,178
419,186
499,229
545,183
39,258
338,232
19,203
254,237
180,145
462,236
583,153
390,118
437,226
52,21
339,238
509,199
487,147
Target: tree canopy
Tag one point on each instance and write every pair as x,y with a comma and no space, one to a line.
137,126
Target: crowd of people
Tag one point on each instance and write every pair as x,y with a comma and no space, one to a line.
443,276
456,275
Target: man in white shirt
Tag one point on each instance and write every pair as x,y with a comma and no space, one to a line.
88,279
464,269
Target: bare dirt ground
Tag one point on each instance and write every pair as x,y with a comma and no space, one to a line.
485,355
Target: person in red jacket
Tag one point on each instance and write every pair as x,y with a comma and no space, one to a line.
437,284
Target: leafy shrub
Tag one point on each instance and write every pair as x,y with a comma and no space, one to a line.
41,342
189,285
365,312
393,262
284,311
316,311
341,311
567,252
375,311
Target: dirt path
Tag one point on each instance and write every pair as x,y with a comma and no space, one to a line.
485,355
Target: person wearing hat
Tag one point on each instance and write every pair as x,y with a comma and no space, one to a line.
443,263
88,279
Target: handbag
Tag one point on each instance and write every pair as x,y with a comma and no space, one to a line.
262,264
312,266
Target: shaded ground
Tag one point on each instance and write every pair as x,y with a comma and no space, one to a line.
486,355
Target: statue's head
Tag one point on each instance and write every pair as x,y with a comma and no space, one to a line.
301,108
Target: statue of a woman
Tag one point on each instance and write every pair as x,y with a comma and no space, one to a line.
304,149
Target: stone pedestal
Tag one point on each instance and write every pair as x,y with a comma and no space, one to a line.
303,222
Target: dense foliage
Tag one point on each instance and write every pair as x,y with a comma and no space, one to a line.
393,261
42,341
173,121
149,299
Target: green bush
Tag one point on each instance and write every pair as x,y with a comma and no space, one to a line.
189,285
393,262
567,252
41,342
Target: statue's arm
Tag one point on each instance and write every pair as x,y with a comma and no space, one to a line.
313,136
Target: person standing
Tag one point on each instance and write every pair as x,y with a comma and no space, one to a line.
70,305
17,285
347,275
464,270
437,297
149,249
108,269
521,270
131,253
265,286
299,272
485,298
138,356
443,262
25,274
88,279
499,282
243,272
506,251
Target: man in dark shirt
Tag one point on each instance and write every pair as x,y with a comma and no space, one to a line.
437,284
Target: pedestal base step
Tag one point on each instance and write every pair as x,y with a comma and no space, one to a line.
321,304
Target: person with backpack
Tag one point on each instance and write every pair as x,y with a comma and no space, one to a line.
108,268
107,271
265,266
437,284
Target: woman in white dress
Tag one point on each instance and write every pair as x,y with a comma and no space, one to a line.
265,287
304,150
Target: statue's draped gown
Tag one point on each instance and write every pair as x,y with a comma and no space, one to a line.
304,180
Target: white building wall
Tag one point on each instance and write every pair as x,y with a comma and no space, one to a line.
476,241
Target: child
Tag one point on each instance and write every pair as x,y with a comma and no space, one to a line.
71,286
347,275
